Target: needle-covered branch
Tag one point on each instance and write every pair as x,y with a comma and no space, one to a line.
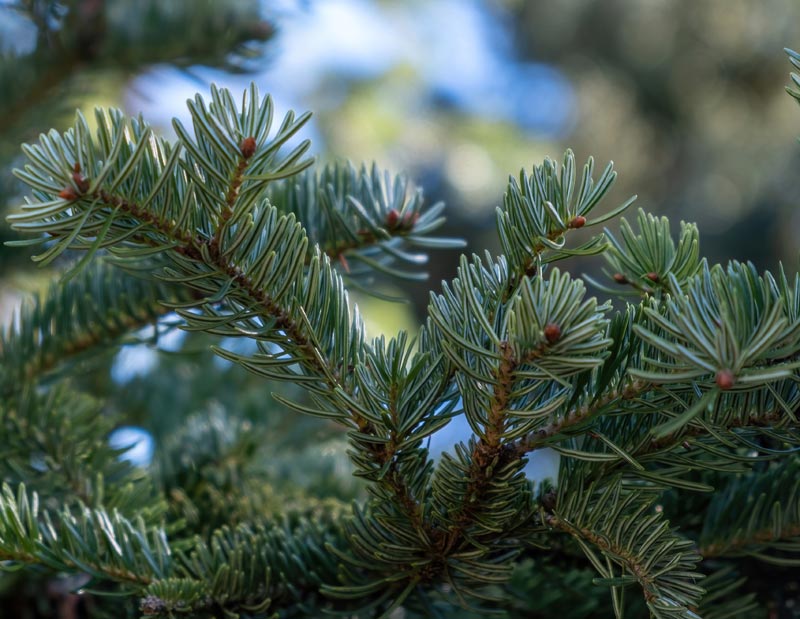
96,309
693,385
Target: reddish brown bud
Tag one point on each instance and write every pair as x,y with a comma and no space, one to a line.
725,379
652,276
577,222
620,278
68,193
79,180
392,219
248,147
82,183
552,332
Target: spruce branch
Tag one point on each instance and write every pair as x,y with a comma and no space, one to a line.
170,211
541,208
364,219
507,346
513,376
730,327
510,378
245,254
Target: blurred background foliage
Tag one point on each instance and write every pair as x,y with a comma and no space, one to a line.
686,97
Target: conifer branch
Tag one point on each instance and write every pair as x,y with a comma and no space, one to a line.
96,308
363,219
769,529
283,568
575,417
705,362
619,524
57,443
104,545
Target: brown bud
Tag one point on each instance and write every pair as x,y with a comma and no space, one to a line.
392,219
68,193
620,278
652,276
725,379
577,222
248,147
552,332
82,183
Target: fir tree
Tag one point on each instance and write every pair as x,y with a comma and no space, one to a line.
674,417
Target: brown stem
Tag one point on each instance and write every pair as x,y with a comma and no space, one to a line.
248,149
539,438
114,573
737,544
339,248
489,449
192,246
632,563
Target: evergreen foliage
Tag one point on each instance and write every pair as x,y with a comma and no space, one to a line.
674,418
68,50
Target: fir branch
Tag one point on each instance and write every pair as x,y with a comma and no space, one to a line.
540,208
707,359
283,567
57,443
771,521
104,545
489,452
208,250
575,418
363,219
211,250
97,308
620,525
158,225
646,261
